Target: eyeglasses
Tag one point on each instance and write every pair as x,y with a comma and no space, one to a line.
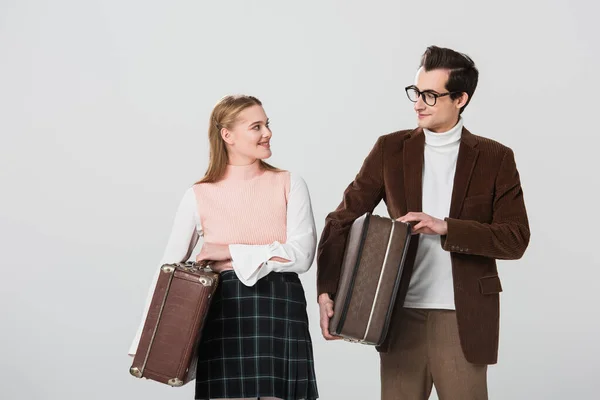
428,96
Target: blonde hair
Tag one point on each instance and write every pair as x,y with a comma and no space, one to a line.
224,115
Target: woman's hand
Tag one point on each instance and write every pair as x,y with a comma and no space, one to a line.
220,266
213,252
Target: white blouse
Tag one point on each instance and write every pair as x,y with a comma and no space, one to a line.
250,262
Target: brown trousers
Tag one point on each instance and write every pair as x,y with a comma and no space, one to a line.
424,351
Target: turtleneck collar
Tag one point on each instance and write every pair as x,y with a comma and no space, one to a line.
243,172
444,138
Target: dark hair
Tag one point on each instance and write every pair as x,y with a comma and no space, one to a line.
463,73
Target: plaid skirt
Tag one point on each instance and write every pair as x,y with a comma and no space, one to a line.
256,341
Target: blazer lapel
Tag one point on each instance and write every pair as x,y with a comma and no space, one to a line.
467,156
414,149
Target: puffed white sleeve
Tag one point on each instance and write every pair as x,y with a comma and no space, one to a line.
184,237
252,262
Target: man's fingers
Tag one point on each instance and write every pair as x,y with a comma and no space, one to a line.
410,217
425,231
324,319
326,312
420,225
329,309
324,326
327,335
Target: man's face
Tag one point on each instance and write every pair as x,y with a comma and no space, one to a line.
444,115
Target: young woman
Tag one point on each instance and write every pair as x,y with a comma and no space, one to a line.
258,232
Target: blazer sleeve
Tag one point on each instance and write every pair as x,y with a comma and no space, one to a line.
361,196
507,236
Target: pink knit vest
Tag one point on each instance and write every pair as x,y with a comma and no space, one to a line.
244,211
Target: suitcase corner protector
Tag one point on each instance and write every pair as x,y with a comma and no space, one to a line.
206,281
135,372
175,382
168,268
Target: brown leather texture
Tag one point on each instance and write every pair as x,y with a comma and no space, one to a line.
371,271
167,349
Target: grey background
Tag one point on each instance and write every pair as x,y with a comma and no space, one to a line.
104,107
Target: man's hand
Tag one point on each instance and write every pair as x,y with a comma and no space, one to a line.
425,223
326,311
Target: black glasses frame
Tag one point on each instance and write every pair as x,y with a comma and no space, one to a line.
422,94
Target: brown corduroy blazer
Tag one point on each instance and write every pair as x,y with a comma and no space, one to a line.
487,221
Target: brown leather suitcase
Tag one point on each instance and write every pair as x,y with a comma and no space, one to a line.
370,277
167,349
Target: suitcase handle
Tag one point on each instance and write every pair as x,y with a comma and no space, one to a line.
193,265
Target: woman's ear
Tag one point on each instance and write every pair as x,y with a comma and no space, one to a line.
227,136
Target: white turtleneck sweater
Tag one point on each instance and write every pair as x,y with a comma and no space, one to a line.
431,285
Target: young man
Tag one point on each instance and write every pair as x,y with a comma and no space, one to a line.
463,195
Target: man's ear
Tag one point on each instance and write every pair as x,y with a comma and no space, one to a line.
462,100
